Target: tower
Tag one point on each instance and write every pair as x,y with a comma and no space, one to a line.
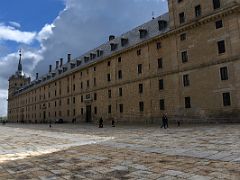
17,80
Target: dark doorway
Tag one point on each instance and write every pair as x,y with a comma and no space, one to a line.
88,113
44,115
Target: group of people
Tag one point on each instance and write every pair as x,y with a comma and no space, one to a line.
165,122
101,122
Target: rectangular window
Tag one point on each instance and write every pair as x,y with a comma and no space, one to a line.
95,96
226,99
108,77
95,110
184,56
109,63
121,108
140,88
161,84
139,68
120,92
94,81
219,24
81,85
74,100
198,11
109,94
88,84
139,52
161,104
81,111
119,59
186,81
81,98
68,101
182,18
183,36
221,47
216,4
159,45
224,73
160,63
109,109
74,112
119,74
187,102
141,106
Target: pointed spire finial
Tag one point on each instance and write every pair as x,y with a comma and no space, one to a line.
20,54
20,70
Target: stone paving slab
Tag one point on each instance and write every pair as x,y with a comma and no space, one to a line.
86,152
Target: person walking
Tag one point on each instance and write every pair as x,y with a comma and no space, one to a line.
101,123
113,122
164,121
178,122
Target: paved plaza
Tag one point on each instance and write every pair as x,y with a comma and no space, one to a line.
84,151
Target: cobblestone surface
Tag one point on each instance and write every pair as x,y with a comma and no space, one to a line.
86,152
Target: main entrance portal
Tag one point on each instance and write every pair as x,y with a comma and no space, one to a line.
88,113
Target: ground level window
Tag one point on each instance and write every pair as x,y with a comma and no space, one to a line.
121,108
141,106
162,104
109,109
95,110
226,99
187,102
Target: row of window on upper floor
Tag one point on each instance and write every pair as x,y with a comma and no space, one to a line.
186,82
198,10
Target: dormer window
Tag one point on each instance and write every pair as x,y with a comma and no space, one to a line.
162,25
53,74
64,69
72,65
143,33
124,41
99,53
113,46
92,56
79,62
86,59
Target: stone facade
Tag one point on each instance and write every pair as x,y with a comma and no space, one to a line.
184,63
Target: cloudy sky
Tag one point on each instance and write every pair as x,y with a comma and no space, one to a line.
47,30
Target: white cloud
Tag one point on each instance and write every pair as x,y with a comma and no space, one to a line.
46,32
15,24
3,102
12,34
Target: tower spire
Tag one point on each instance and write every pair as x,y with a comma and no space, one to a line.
20,70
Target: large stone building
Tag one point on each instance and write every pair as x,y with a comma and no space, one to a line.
185,63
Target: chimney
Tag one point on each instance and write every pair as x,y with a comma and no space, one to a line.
61,62
111,37
50,68
57,64
36,76
69,57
